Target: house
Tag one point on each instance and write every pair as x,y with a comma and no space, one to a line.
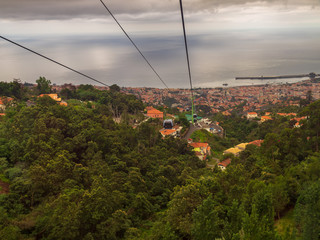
226,113
154,113
234,151
252,115
180,109
4,101
2,105
241,146
202,149
237,149
63,103
297,125
257,142
265,118
54,96
168,132
2,115
224,164
287,114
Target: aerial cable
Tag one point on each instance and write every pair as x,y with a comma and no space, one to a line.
50,59
187,53
133,43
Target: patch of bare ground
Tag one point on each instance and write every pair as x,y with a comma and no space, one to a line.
4,187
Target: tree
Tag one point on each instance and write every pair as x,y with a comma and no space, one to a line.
66,93
43,85
184,201
207,222
309,97
114,88
17,89
257,227
280,195
307,212
313,123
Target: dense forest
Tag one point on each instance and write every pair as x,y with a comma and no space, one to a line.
74,173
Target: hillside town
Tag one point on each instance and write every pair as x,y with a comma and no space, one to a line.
224,100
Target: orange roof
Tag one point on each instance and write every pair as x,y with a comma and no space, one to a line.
167,132
266,118
63,104
225,163
256,142
299,119
252,113
54,96
153,111
287,114
198,144
2,114
7,99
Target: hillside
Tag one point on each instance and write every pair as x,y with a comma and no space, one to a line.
74,173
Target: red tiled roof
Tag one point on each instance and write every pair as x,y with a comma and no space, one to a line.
167,132
266,118
198,145
7,99
257,142
154,111
225,163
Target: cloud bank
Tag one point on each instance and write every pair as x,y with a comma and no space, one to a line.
61,9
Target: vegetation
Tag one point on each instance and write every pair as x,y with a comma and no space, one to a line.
75,173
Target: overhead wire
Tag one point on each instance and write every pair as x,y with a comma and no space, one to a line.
114,18
54,61
187,53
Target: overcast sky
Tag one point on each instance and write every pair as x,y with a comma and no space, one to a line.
227,38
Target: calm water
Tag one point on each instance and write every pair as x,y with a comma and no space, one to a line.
216,58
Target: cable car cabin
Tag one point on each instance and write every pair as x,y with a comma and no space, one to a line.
168,124
195,117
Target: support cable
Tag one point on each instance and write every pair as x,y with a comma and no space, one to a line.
50,59
133,43
187,53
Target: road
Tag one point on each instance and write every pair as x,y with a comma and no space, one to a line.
192,128
200,125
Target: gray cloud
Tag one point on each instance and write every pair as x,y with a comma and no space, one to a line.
61,9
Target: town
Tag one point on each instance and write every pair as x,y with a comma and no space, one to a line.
253,98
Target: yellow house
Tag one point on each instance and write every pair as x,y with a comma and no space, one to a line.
234,151
237,149
242,146
54,96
